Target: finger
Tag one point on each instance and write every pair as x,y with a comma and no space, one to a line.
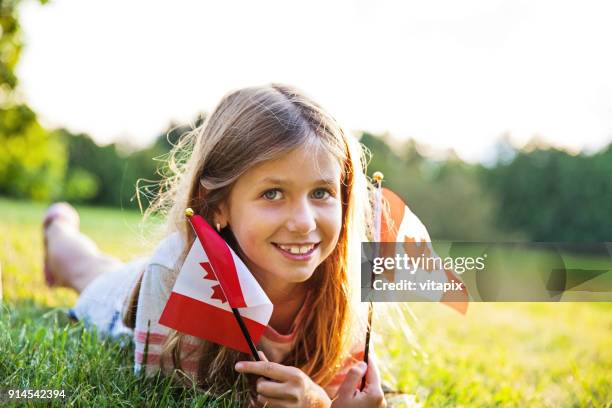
269,402
372,375
272,389
267,369
262,355
352,380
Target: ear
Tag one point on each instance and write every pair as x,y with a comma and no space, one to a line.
222,215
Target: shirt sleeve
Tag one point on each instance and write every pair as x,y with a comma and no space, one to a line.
149,335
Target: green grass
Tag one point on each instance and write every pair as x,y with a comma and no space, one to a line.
503,354
42,350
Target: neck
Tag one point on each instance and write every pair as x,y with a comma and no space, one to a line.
282,293
287,299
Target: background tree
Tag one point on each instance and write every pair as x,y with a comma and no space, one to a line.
552,195
446,195
32,161
113,176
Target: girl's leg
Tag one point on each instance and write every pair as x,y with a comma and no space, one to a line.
73,259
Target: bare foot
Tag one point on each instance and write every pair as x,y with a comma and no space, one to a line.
65,214
72,259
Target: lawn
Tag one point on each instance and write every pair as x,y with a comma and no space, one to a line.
503,354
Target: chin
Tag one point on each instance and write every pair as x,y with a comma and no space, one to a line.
299,277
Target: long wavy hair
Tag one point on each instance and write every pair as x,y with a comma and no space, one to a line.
247,127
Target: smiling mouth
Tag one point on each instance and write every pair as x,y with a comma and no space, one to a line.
297,250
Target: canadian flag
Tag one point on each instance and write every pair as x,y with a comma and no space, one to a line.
212,281
403,227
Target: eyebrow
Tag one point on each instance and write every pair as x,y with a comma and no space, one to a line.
272,180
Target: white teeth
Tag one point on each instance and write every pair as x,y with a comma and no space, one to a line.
297,249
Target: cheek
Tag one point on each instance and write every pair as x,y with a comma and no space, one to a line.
331,224
251,233
249,236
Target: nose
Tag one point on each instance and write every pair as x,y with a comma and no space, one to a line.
301,219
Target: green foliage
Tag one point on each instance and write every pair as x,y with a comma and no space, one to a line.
554,196
106,175
102,162
80,185
446,195
32,161
538,194
11,44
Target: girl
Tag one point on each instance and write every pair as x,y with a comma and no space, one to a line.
285,187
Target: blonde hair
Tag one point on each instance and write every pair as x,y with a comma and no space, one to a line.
247,127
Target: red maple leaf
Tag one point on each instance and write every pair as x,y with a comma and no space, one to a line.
218,294
210,275
209,272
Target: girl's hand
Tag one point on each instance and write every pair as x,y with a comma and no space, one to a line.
371,396
284,386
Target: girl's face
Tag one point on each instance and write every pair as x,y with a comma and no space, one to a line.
286,215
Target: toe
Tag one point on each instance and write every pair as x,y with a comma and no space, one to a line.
63,212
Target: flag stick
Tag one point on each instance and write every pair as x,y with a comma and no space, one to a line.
245,332
377,176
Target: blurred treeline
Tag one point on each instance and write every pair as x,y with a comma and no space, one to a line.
536,192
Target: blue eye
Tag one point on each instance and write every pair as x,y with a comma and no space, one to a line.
272,194
317,194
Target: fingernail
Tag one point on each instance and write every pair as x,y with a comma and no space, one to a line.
363,366
239,366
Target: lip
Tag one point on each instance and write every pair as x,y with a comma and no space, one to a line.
297,257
